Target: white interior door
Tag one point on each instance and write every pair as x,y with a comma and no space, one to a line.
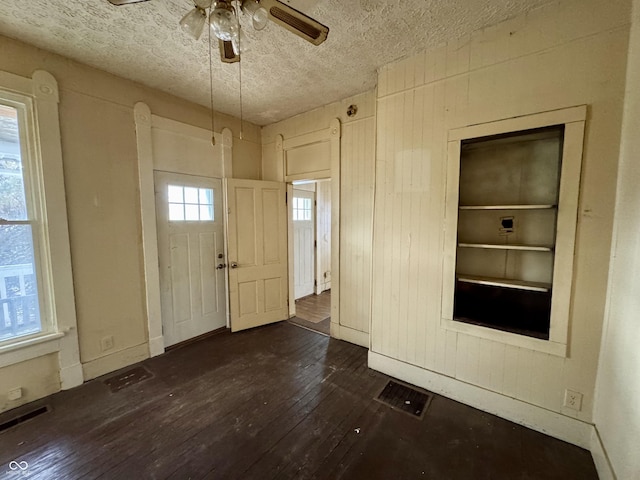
257,238
191,255
303,242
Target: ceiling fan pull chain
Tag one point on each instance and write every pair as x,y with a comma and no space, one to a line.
240,76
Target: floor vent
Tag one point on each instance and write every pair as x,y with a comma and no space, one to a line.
405,399
23,418
127,378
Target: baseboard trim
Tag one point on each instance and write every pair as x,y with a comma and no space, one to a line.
71,376
156,346
349,335
115,361
600,457
531,416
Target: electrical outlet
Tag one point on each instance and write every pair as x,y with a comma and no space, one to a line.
15,393
107,343
573,400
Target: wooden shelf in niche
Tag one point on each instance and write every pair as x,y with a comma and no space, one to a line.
525,312
505,283
508,196
507,207
529,248
506,222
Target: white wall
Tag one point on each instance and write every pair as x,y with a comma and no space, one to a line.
356,197
100,175
617,409
567,53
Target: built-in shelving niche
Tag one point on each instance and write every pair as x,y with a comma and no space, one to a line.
510,223
508,197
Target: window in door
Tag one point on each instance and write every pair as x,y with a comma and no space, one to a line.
301,209
190,204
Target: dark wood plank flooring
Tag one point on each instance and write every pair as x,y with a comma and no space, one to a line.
314,312
275,402
314,308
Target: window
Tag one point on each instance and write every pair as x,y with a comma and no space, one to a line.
37,308
301,209
190,204
20,303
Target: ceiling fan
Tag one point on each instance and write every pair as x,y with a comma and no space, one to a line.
225,24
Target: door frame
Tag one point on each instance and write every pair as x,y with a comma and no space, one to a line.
332,135
166,228
290,222
145,121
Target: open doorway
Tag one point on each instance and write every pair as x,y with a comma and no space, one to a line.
310,219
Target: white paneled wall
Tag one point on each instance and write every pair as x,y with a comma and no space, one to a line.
617,411
356,197
356,220
567,53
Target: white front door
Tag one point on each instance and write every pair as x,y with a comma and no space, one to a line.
191,255
303,242
257,253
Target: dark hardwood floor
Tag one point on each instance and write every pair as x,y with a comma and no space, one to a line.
275,402
314,312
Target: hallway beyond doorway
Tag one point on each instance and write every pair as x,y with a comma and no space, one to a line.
314,312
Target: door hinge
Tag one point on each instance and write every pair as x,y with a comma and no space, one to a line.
286,198
315,283
315,244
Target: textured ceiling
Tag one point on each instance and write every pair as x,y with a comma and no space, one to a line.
282,75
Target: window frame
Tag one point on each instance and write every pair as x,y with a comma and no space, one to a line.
33,188
37,99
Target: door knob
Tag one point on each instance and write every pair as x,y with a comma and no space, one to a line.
221,266
234,265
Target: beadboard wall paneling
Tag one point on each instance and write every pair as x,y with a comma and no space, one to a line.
555,57
356,220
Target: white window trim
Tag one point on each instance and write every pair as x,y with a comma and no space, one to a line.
60,327
573,119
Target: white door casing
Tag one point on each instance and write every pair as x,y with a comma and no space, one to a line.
323,235
191,256
257,246
217,163
303,242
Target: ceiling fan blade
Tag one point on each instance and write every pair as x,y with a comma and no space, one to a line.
227,55
295,21
125,2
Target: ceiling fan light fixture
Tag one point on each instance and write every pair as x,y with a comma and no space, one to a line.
224,22
239,43
193,22
259,15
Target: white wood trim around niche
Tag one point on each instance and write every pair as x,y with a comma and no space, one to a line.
145,122
574,119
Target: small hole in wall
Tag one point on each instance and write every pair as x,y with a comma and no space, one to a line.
507,225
